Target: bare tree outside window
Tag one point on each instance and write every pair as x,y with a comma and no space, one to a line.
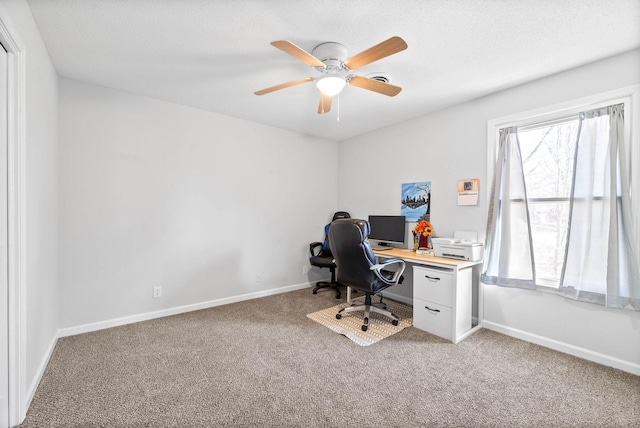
548,159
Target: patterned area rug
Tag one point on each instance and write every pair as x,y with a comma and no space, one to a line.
379,326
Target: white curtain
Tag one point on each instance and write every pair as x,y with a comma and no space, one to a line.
601,261
508,259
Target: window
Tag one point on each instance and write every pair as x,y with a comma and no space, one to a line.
562,212
548,152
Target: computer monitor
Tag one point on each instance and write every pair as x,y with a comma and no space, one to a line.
386,230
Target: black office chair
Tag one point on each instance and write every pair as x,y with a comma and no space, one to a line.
320,256
357,267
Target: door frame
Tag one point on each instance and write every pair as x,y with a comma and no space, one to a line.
16,218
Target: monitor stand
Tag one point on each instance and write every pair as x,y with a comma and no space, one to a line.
381,246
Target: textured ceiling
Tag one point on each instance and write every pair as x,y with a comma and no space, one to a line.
213,55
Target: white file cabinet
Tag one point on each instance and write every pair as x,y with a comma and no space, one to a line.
442,300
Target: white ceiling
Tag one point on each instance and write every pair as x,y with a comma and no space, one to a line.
213,54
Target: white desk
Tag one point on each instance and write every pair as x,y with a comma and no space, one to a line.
442,293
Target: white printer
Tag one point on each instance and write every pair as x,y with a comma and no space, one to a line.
462,246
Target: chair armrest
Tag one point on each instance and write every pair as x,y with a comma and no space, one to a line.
377,268
313,249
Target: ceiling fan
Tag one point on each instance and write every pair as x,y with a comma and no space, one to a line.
331,59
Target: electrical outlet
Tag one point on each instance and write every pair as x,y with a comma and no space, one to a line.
157,292
305,269
258,278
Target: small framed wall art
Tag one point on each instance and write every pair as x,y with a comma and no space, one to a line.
416,201
468,191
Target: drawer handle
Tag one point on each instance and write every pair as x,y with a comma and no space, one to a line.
432,278
432,310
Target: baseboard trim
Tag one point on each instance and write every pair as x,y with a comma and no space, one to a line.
116,322
31,391
576,351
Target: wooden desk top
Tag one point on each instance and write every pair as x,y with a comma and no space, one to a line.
411,256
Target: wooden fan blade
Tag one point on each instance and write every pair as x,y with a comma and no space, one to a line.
379,51
297,52
284,85
375,86
324,106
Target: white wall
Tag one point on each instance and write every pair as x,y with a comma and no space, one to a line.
41,115
451,144
157,194
40,285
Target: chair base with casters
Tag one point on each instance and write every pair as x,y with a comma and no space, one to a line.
328,284
331,284
324,284
368,308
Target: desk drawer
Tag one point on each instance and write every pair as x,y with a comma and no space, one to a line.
433,318
433,285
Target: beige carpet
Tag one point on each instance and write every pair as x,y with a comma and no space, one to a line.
350,324
264,363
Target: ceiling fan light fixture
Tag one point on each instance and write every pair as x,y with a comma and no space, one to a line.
331,85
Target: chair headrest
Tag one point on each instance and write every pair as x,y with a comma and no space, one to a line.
341,214
350,223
